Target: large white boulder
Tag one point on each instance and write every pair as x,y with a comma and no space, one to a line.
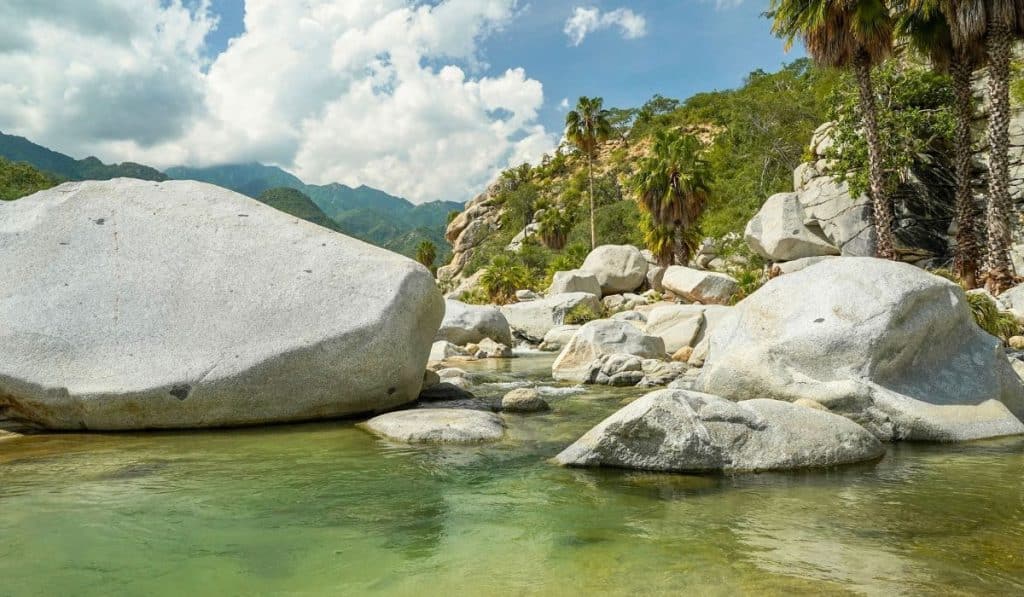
777,232
887,344
130,304
534,319
683,431
843,219
618,268
700,285
464,324
574,281
676,325
599,338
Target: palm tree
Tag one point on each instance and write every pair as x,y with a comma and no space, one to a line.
555,225
996,24
925,25
849,34
586,128
672,186
426,253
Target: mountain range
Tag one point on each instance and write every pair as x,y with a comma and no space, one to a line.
362,212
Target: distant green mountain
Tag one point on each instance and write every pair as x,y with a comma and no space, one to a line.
20,149
250,179
363,212
294,202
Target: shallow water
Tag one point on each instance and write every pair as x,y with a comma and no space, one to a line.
326,509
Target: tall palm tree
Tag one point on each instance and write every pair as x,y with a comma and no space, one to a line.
996,24
849,34
672,186
925,25
586,128
426,253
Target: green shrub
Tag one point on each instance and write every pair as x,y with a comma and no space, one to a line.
504,276
750,280
580,314
987,315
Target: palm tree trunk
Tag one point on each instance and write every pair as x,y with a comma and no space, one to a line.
876,178
680,245
1000,267
965,263
593,226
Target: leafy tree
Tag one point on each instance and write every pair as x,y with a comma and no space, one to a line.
426,253
857,35
555,225
996,24
672,186
586,128
20,179
925,24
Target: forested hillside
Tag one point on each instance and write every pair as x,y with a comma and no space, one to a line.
20,149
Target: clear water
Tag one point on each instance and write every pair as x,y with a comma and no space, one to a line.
326,509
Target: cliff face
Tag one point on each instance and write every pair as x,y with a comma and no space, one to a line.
481,217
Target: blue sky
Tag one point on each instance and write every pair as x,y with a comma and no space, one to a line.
690,46
426,100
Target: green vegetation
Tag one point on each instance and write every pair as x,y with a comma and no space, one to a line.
581,314
60,166
426,254
295,203
504,276
18,180
672,186
586,128
987,315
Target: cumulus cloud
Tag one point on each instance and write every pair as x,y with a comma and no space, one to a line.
585,21
390,93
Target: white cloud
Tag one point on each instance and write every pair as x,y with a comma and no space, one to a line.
724,4
389,93
564,104
585,21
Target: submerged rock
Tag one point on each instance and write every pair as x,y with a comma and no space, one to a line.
438,425
886,344
130,304
682,431
523,400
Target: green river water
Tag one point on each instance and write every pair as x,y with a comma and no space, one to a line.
327,509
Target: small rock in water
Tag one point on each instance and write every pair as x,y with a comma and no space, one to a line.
430,379
439,425
489,349
523,400
445,390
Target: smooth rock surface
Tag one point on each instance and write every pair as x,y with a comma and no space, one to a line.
599,338
699,285
574,281
130,304
683,431
438,425
677,325
464,324
523,400
618,268
778,233
886,344
534,319
558,336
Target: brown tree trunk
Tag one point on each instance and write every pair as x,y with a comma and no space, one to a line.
883,218
965,262
681,256
999,208
593,226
